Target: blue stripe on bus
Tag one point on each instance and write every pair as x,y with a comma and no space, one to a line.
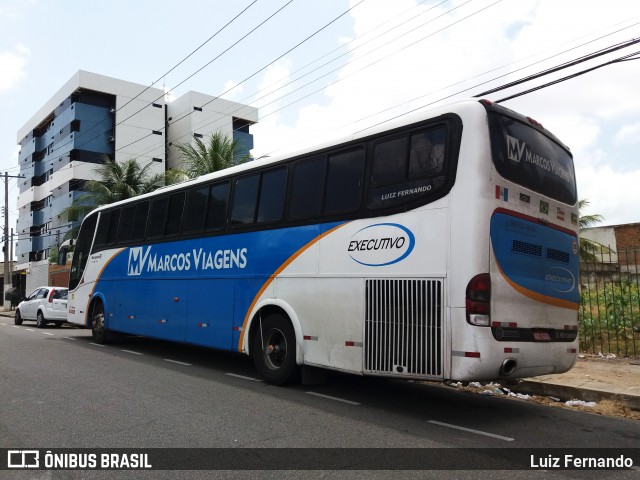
539,261
169,290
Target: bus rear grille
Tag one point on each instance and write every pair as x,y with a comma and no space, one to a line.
527,248
557,255
403,327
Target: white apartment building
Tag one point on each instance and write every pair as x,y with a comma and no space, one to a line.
91,116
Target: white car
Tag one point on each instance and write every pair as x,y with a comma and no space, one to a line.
45,304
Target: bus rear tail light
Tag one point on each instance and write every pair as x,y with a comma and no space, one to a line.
478,300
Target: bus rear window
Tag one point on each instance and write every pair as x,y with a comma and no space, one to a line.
529,158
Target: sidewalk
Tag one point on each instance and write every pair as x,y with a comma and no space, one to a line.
592,379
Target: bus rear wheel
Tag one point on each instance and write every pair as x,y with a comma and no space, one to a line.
98,330
274,350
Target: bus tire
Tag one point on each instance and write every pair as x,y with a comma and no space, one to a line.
98,331
274,350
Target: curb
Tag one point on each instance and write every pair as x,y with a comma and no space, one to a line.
565,392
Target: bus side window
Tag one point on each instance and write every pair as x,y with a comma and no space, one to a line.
244,200
344,181
194,214
157,217
113,227
103,229
174,214
107,228
125,231
389,161
272,191
140,221
218,201
426,157
307,188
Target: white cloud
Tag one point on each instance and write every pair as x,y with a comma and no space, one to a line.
232,89
12,65
628,135
274,86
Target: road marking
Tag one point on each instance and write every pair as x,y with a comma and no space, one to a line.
69,338
3,324
470,430
47,333
96,344
334,398
176,361
243,377
15,326
134,353
29,329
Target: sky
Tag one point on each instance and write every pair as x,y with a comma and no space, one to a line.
317,70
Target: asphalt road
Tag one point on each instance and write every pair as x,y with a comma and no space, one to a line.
60,390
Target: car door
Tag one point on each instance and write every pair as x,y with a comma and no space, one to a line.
29,307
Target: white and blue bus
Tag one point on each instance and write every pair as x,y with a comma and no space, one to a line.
442,246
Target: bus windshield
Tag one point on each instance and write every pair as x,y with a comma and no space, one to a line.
531,159
81,253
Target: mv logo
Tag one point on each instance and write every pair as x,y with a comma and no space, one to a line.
515,148
137,260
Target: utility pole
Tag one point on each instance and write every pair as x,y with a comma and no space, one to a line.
7,273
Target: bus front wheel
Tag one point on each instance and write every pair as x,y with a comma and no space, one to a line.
98,331
274,350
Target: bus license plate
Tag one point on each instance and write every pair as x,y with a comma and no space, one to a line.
541,336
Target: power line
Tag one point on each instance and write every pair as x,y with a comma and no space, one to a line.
363,68
147,88
569,77
572,63
213,60
190,54
269,64
344,45
428,104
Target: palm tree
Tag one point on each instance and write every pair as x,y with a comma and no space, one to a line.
221,152
589,248
117,181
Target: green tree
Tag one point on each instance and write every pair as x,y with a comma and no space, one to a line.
589,248
117,181
221,152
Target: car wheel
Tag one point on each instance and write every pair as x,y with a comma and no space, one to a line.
18,318
40,321
274,350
